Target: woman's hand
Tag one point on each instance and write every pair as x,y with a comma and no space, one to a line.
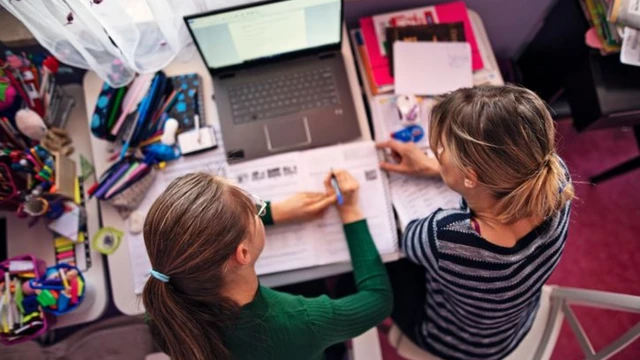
410,160
300,207
349,210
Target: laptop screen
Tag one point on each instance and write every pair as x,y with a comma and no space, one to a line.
237,36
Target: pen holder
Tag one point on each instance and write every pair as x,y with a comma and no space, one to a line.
32,320
61,289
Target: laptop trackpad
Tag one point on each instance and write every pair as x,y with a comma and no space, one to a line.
287,133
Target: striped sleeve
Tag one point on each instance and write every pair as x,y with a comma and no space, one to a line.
419,241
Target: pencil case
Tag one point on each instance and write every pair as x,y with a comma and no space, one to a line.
60,289
128,194
32,320
106,111
130,198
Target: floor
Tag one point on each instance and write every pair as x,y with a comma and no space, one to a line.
603,248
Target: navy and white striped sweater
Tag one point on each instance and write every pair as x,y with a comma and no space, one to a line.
481,298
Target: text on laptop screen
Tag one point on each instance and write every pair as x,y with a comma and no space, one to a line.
231,38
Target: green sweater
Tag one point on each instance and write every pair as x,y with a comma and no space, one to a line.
280,326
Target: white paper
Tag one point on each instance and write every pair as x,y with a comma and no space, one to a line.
417,197
402,18
362,161
275,178
630,52
321,241
431,68
68,224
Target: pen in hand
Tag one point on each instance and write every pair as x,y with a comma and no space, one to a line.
336,188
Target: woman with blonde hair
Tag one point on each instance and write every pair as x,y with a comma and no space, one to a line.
483,265
204,301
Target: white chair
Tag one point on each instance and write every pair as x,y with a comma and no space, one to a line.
541,339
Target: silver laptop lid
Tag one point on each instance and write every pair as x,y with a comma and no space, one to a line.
265,32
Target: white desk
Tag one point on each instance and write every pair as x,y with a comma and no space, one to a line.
38,240
120,262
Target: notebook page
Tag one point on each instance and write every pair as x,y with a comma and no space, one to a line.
361,160
275,178
417,197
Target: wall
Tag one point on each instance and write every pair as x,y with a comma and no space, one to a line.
510,24
13,32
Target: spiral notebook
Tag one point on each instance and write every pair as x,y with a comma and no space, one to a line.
321,241
188,101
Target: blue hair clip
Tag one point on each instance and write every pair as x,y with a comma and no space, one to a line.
158,275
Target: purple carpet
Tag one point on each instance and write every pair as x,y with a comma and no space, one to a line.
603,249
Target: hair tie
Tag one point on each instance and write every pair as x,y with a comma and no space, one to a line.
158,275
547,160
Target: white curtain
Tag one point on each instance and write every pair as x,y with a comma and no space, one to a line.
114,38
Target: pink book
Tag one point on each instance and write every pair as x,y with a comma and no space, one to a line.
373,32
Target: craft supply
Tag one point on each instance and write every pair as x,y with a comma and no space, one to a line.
135,222
65,250
107,240
74,291
408,109
16,266
35,206
196,120
31,124
66,170
170,130
62,289
413,133
336,188
134,95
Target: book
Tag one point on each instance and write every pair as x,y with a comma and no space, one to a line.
625,12
365,66
374,34
436,32
189,101
607,34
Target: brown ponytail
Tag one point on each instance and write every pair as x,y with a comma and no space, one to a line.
190,232
507,136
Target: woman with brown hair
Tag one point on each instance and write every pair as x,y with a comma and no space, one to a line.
483,265
204,301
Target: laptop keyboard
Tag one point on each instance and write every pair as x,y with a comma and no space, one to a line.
284,94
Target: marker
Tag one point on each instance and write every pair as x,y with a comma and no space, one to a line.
336,188
197,121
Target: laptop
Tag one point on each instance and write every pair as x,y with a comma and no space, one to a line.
279,78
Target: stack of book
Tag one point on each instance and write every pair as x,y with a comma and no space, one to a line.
445,22
596,12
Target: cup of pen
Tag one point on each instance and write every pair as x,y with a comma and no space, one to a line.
60,290
21,316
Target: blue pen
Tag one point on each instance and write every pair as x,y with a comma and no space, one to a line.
336,188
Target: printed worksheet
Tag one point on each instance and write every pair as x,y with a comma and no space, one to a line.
362,161
321,241
417,197
271,179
